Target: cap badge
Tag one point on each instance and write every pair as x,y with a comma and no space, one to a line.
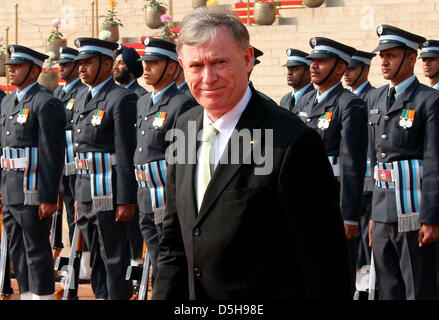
426,43
12,49
380,30
314,41
77,43
146,41
289,52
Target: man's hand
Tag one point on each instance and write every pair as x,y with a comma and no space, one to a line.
75,205
46,209
428,233
370,232
350,231
124,212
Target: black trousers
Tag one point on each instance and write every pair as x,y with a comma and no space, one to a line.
109,251
362,237
404,271
135,237
151,233
30,250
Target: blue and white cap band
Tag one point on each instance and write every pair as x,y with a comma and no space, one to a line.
408,43
104,51
339,53
170,54
22,55
67,56
362,59
430,49
297,58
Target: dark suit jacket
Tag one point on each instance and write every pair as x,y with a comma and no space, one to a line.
185,89
346,138
44,129
65,100
421,141
150,140
116,134
286,100
251,238
138,89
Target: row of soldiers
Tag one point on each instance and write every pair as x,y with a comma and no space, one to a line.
90,134
383,146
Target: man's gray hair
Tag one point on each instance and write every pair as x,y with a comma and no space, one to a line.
201,24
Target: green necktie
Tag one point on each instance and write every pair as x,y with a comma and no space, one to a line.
205,162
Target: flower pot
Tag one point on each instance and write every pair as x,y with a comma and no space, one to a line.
2,64
264,13
54,45
152,16
113,29
48,79
198,3
313,3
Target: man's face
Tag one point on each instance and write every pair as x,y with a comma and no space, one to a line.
320,68
18,72
120,70
217,72
391,61
430,66
351,75
88,69
295,75
65,70
153,70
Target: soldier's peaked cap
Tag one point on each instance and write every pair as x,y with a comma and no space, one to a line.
257,53
328,48
360,58
158,49
296,58
392,37
429,49
20,54
67,54
91,47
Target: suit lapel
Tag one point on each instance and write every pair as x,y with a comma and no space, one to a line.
328,101
225,171
405,97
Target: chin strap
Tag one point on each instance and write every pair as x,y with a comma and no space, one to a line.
27,75
402,61
359,76
73,69
330,73
99,70
163,73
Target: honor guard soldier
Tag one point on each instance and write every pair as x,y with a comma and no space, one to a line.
430,62
156,113
104,141
298,77
32,139
340,117
68,71
127,69
356,77
404,126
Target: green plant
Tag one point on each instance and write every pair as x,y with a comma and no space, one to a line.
155,4
111,18
55,34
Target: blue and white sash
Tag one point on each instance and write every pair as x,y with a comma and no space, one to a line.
153,176
24,159
405,177
69,159
99,166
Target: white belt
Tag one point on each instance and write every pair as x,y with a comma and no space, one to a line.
336,170
17,163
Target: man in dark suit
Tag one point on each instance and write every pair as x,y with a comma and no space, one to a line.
430,62
340,118
298,77
105,193
233,217
404,126
356,77
156,113
127,69
32,140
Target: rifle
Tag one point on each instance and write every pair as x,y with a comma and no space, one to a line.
56,230
5,277
140,273
72,264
